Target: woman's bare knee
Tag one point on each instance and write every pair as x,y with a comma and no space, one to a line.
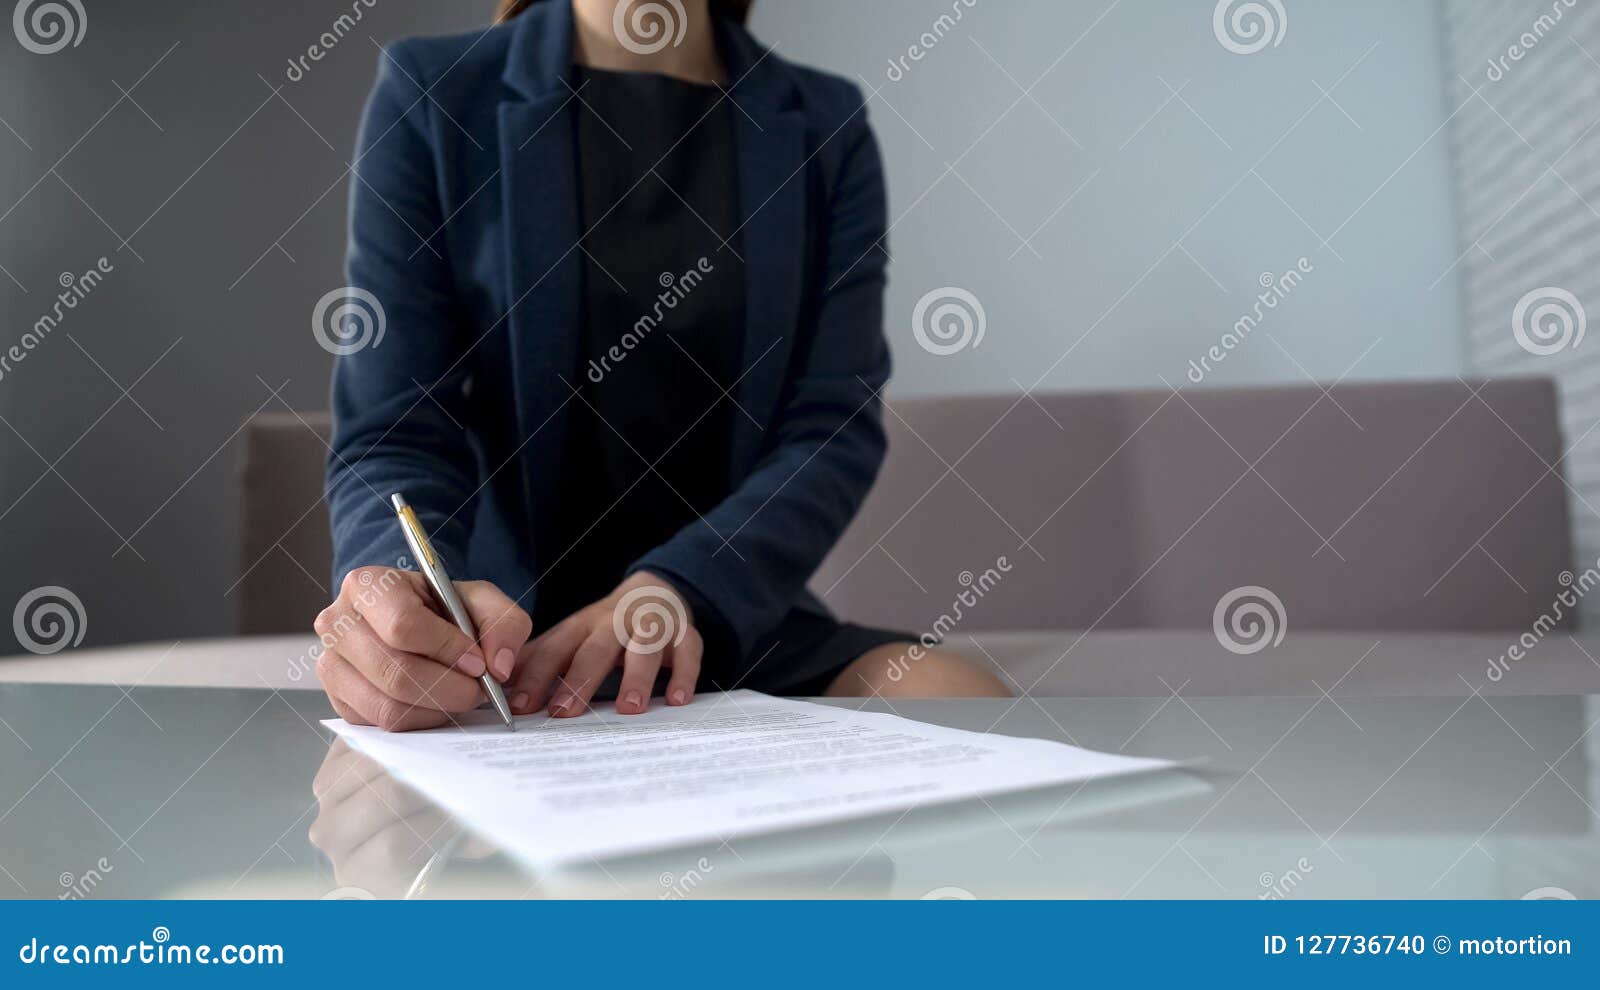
907,670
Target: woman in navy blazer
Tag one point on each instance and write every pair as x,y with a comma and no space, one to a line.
509,361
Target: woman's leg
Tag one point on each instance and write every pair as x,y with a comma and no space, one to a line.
891,670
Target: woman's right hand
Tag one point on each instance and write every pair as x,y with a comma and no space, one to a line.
377,832
388,659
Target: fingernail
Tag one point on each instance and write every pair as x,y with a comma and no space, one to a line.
471,664
519,701
633,699
679,696
503,661
560,705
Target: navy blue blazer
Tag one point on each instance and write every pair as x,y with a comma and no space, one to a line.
465,225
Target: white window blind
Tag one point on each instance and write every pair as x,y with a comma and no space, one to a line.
1524,85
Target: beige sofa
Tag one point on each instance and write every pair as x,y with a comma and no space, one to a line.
1385,506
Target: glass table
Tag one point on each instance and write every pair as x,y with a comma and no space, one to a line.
175,792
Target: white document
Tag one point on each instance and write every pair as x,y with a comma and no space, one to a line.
725,765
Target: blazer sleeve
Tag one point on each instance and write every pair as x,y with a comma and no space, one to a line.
398,380
827,444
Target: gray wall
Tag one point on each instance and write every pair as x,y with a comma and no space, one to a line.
234,204
203,189
1114,281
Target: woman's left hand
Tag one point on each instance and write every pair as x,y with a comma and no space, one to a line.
644,625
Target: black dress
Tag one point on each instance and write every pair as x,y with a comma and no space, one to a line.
663,331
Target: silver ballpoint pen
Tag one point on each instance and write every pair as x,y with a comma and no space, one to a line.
445,591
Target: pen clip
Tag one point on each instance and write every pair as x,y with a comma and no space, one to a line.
416,536
423,547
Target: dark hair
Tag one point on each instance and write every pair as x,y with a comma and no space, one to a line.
737,11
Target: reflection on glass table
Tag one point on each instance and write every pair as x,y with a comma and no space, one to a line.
384,839
183,792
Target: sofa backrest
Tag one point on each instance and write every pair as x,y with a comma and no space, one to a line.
1442,505
1143,509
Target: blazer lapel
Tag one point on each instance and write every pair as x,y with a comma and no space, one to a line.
772,201
543,225
543,228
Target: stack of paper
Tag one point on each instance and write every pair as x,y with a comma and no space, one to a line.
726,765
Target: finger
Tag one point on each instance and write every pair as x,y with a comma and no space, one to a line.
339,680
344,773
341,826
324,665
407,677
640,661
347,713
590,665
342,770
384,799
535,678
400,615
503,627
350,778
389,859
345,682
685,668
542,661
